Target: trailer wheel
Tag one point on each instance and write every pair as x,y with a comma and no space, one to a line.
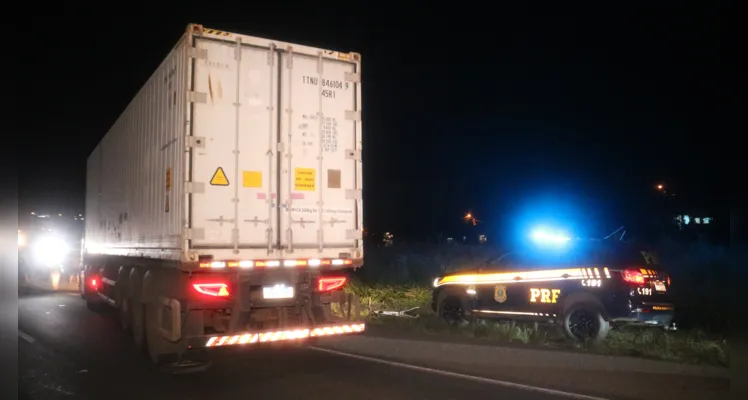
125,317
92,298
137,326
124,300
93,302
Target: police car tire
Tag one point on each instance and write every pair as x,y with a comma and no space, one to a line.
595,310
443,298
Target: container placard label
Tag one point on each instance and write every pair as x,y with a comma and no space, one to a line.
305,179
252,179
219,178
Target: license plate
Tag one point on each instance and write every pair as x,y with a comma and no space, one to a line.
279,291
660,287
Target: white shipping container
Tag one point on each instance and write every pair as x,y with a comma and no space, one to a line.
237,147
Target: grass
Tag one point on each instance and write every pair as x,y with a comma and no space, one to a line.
692,346
397,279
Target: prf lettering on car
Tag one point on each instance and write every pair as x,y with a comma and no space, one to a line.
546,295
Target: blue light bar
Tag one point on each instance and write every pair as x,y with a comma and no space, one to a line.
541,235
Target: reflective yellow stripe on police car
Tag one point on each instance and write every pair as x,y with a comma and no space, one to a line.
524,276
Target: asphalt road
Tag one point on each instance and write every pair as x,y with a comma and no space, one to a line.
67,351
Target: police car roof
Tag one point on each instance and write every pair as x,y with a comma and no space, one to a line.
613,252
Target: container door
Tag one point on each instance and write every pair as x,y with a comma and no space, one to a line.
235,114
320,173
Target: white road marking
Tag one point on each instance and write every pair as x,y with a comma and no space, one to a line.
26,337
464,376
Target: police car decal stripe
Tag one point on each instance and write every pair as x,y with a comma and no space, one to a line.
535,314
523,276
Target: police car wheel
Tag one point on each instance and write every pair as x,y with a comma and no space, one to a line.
452,311
584,322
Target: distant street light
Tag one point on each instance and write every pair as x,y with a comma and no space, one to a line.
661,188
470,218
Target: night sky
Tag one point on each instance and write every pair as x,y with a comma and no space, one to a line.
573,112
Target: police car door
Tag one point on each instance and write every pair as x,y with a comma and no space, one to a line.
507,297
521,294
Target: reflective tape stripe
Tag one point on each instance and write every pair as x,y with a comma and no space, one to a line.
275,336
515,313
522,276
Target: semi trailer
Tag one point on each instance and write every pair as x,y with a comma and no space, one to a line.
224,207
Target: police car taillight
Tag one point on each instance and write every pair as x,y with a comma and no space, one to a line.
633,276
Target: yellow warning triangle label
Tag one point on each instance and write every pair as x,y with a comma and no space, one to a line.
219,178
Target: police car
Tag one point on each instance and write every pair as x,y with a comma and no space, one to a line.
595,286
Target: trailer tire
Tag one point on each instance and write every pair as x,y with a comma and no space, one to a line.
93,302
137,326
125,314
124,301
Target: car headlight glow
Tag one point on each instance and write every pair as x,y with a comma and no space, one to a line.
51,250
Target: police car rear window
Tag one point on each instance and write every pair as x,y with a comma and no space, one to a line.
542,260
632,257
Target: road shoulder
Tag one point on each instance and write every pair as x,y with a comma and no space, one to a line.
604,376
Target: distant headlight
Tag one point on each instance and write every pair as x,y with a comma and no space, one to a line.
51,250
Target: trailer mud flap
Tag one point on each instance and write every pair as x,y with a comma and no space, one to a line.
345,305
170,319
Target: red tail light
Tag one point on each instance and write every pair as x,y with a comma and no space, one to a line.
212,289
94,283
633,276
668,280
328,283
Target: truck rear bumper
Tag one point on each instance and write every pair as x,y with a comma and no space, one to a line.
300,333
